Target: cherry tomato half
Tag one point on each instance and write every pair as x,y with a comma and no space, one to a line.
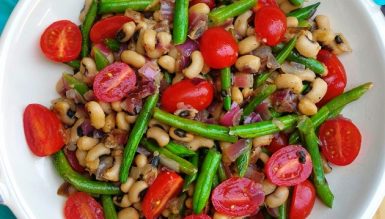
263,3
61,41
279,141
340,141
336,77
114,82
237,197
289,166
302,202
219,48
210,3
270,25
80,205
107,28
165,186
196,92
200,216
43,130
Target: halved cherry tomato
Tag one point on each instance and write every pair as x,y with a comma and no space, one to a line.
340,141
279,141
210,3
196,92
200,216
80,205
302,202
107,28
270,25
43,130
289,166
264,3
237,197
114,82
219,48
61,41
165,186
336,77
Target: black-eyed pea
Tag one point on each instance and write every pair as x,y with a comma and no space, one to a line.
86,143
186,113
131,119
268,187
248,44
247,92
318,90
248,64
92,158
96,113
65,112
286,6
141,160
322,22
149,39
292,22
110,123
133,58
135,190
88,69
278,197
125,187
289,81
106,107
200,8
156,123
306,46
307,107
128,213
112,174
168,63
180,135
121,121
127,31
200,142
342,43
139,47
241,23
159,135
84,11
324,36
236,95
262,140
81,157
122,201
116,106
74,134
196,66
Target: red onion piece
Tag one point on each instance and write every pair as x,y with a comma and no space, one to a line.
75,96
233,151
284,100
252,118
254,174
263,110
104,50
274,212
267,58
231,117
243,80
150,71
184,52
167,9
133,102
86,127
198,24
73,161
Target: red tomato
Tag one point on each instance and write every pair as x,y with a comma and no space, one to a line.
336,77
264,3
196,92
61,41
107,28
80,205
165,186
114,82
219,48
340,141
43,130
270,25
201,216
237,197
289,166
279,141
210,3
302,201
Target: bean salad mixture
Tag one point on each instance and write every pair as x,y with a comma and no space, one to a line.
222,109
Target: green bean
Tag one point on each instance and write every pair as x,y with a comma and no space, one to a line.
243,160
304,13
282,211
221,172
112,44
181,164
221,14
191,178
304,23
167,77
296,2
226,87
265,127
261,79
180,21
310,63
75,64
76,84
86,28
264,92
274,113
215,181
286,50
120,6
100,60
211,131
109,207
205,180
80,182
179,149
136,134
306,129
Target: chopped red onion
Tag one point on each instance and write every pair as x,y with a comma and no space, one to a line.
184,52
231,117
243,80
284,100
233,151
73,161
105,163
252,118
274,212
89,95
267,58
263,110
254,174
75,96
133,102
198,24
167,9
87,128
150,71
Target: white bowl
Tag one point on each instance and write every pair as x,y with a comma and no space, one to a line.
28,184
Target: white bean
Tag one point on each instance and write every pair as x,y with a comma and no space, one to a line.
97,116
196,65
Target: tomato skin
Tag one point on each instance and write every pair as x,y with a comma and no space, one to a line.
270,25
43,130
340,141
210,3
107,28
279,141
263,3
165,186
284,167
336,77
237,197
80,205
61,41
302,202
219,48
200,216
114,82
196,92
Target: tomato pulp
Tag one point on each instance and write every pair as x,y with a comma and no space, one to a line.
302,202
80,205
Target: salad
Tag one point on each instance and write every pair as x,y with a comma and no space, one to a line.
196,109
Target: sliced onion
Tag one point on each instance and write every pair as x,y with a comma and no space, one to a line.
267,58
292,68
86,127
252,118
167,10
284,100
263,110
243,80
169,163
231,117
150,71
274,212
184,52
254,174
105,163
75,96
233,151
198,24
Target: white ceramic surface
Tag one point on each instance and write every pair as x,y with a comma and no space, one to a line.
28,184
